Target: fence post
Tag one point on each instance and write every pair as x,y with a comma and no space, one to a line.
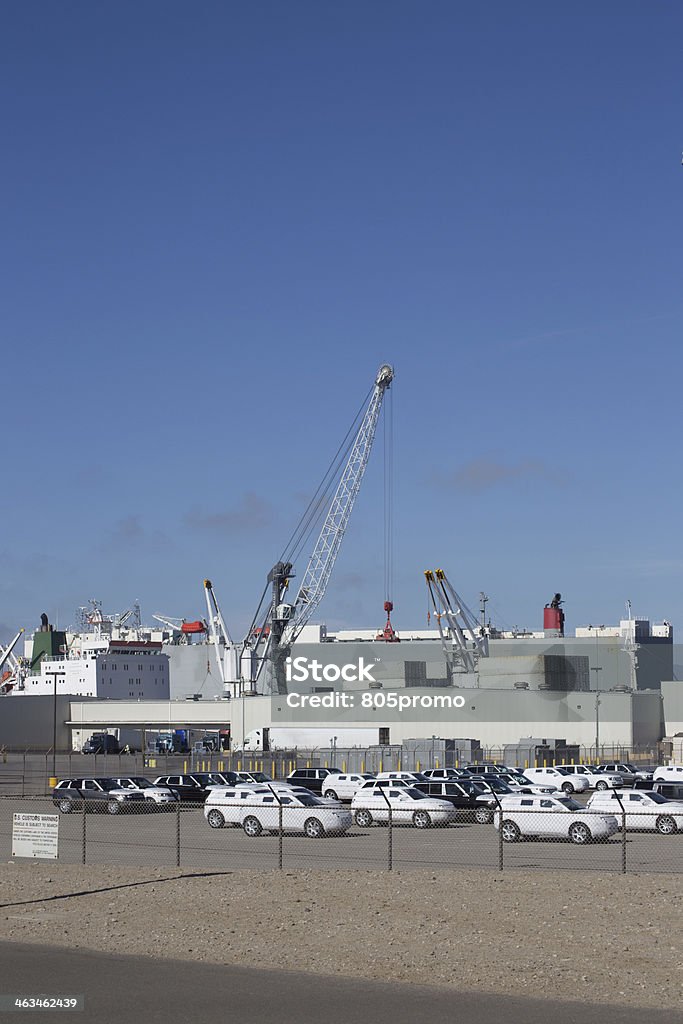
390,838
84,835
623,831
279,829
500,830
177,833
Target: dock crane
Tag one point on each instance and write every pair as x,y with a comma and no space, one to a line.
462,639
226,652
13,676
270,643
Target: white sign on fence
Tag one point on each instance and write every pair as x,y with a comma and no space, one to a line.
35,835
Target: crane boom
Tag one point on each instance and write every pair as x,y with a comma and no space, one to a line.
285,621
463,641
321,562
6,652
226,655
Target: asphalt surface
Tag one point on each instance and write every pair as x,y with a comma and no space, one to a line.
152,840
135,989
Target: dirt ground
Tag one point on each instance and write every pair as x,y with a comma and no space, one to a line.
610,938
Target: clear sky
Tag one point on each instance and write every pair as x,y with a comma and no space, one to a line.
218,219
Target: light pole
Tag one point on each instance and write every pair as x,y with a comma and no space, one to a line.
54,675
596,669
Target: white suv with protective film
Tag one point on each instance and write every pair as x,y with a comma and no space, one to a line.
596,780
558,777
551,817
344,786
258,809
644,809
408,807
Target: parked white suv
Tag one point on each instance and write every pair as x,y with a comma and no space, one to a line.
521,784
629,773
668,773
551,816
408,777
644,810
256,809
558,777
596,780
151,793
344,786
408,807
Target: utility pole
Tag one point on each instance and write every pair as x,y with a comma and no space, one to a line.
54,675
596,669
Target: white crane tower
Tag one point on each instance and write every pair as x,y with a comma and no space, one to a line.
270,643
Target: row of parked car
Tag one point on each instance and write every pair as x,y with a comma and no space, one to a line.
310,801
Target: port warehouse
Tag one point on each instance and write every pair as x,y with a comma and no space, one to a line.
495,718
531,685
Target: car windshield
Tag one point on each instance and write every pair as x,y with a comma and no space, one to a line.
138,782
259,776
572,805
497,787
308,800
658,798
108,784
523,779
414,794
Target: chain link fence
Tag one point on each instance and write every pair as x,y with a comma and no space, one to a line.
274,831
29,772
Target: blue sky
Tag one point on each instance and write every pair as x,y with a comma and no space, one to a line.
219,219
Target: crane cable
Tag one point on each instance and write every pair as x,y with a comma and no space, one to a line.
388,497
317,506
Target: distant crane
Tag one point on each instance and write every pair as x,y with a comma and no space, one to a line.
463,641
15,675
270,643
226,651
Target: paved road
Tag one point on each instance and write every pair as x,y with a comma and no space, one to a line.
124,988
151,840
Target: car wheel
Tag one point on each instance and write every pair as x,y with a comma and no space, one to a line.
421,819
580,833
252,826
510,832
215,819
113,806
65,806
567,787
363,818
331,793
601,785
313,828
483,816
666,825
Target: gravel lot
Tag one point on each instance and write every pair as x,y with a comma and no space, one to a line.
589,937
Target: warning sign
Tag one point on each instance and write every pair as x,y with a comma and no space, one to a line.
35,835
